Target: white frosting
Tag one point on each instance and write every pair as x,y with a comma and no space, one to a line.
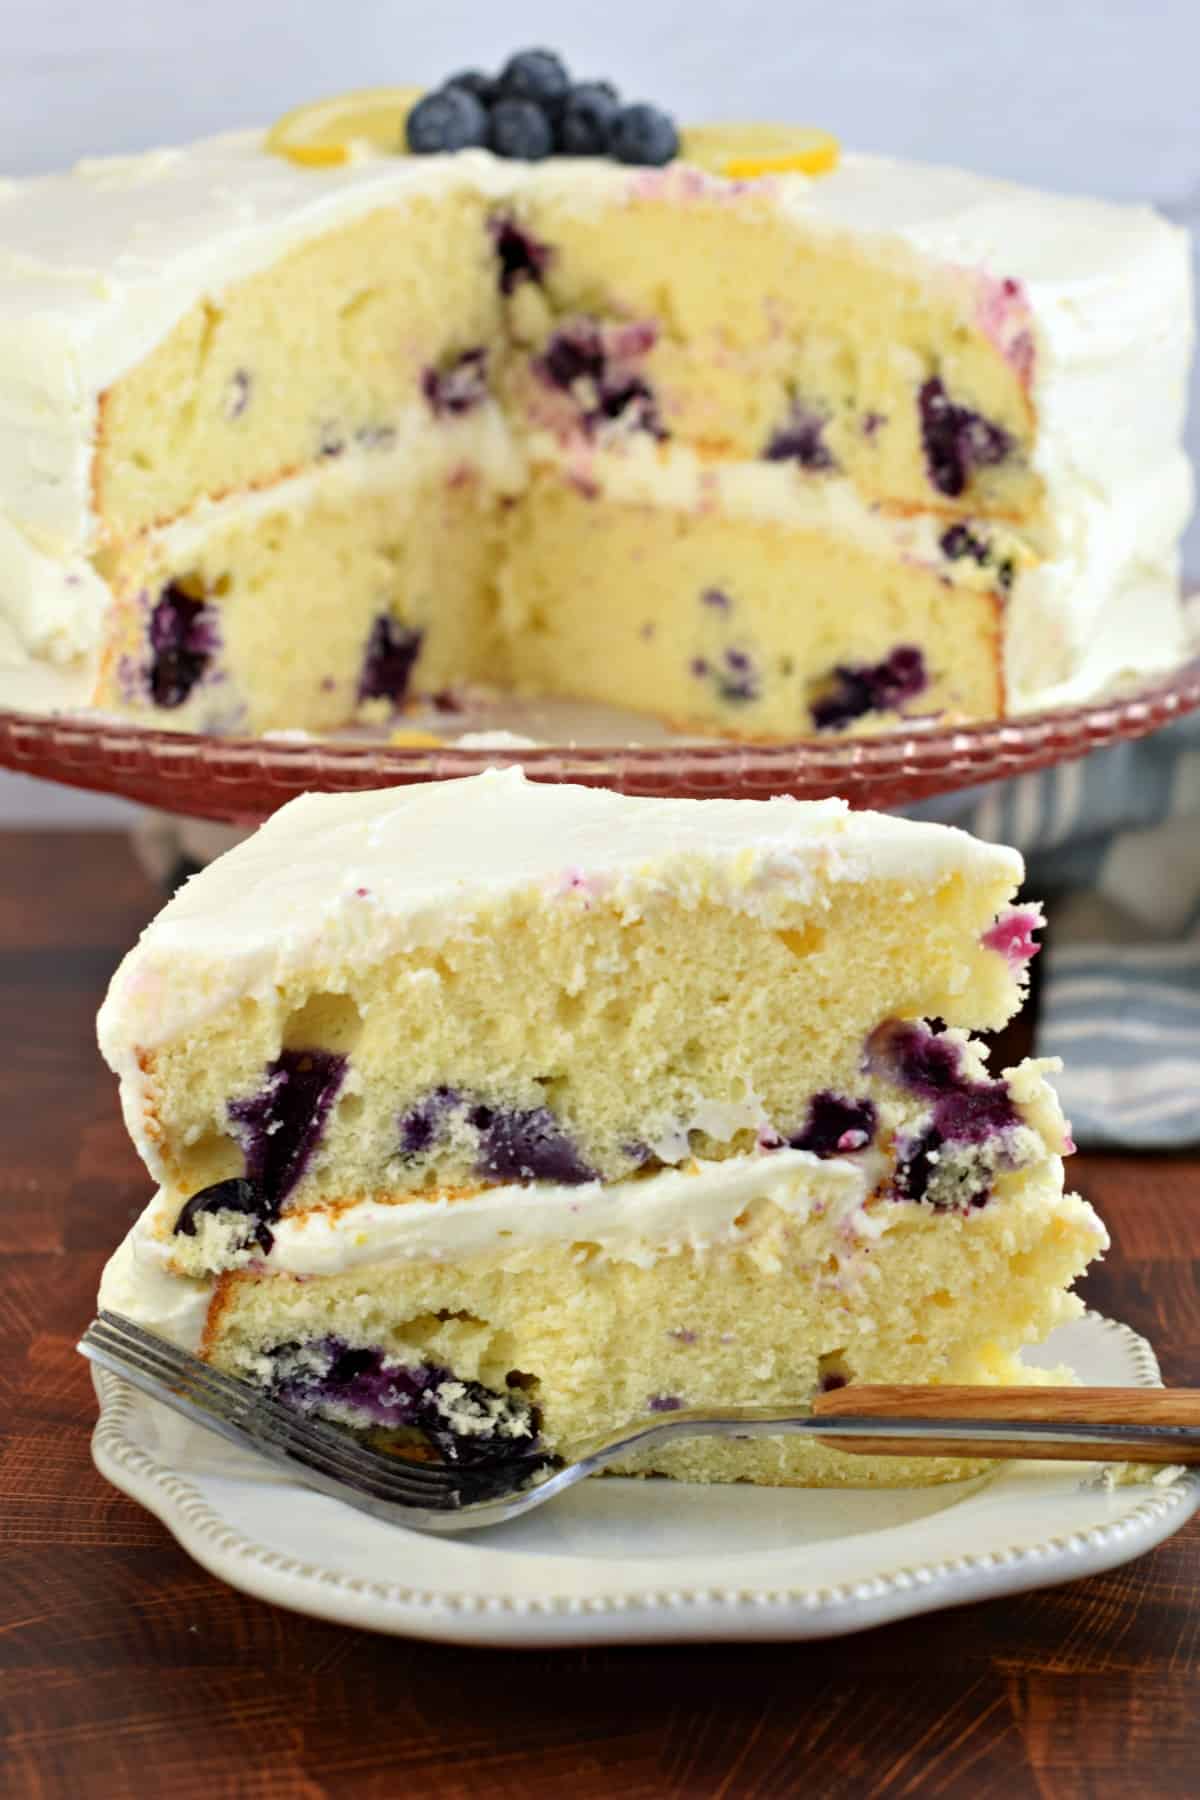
347,879
690,1209
99,264
136,1283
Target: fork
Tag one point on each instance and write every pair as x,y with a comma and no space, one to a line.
1150,1425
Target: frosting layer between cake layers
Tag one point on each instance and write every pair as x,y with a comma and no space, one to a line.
1084,582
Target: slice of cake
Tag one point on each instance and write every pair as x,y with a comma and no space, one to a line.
506,1113
764,455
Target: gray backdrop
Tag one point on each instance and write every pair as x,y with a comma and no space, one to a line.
1090,96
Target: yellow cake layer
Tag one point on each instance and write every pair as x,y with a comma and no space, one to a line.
294,593
728,624
754,319
676,1025
719,623
302,362
598,1341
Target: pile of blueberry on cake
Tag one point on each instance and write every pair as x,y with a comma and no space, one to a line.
492,1115
514,387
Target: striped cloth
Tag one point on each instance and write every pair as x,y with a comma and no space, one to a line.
1113,847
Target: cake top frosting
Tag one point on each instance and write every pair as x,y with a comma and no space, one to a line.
113,252
339,878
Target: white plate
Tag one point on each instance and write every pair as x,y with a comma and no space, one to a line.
619,1561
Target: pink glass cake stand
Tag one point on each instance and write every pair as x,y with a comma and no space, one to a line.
242,780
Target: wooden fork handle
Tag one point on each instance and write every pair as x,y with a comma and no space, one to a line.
1152,1412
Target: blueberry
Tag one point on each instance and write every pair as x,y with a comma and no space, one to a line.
575,353
235,1196
536,75
643,134
578,353
836,1126
474,81
520,131
284,1122
521,256
482,1431
959,540
801,440
182,641
458,386
956,440
587,120
448,119
527,1145
860,688
738,681
422,1125
391,651
965,1111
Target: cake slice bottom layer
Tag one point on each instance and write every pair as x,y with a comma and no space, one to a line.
538,1347
736,624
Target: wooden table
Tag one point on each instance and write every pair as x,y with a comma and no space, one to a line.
126,1670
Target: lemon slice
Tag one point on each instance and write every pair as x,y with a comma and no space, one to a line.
743,151
417,740
324,132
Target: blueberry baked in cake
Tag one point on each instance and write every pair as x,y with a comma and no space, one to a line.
517,386
502,1113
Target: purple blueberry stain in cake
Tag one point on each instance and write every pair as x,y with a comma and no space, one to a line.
423,1125
734,675
661,1403
514,1143
521,256
648,631
182,638
457,386
237,394
966,540
683,1334
872,424
965,1112
392,649
480,1430
836,1126
1012,935
237,1195
1004,316
956,440
716,599
282,1125
738,680
860,688
801,439
527,1145
594,367
961,540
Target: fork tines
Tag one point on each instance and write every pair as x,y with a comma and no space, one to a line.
247,1415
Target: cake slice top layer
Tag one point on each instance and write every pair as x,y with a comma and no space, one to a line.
347,880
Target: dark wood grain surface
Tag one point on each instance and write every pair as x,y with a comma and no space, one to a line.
126,1670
